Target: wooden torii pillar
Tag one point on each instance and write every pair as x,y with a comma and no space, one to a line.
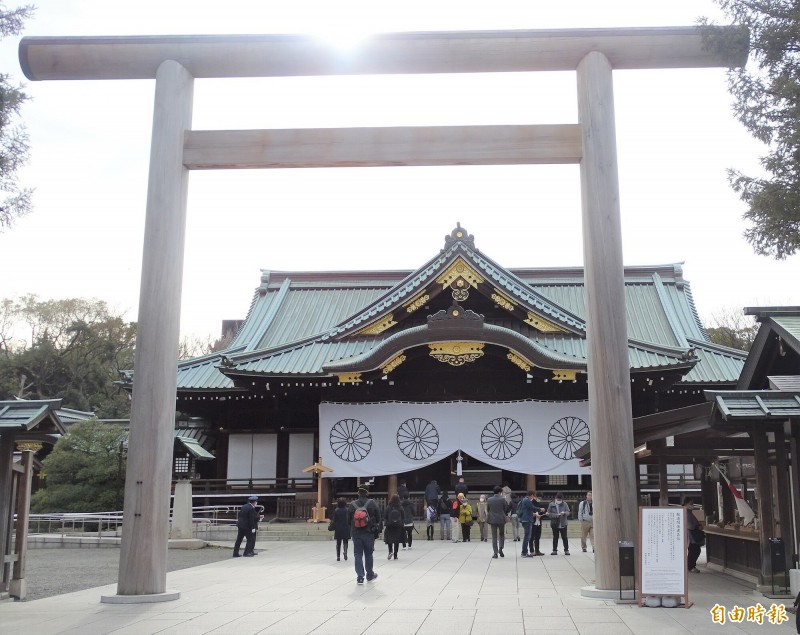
174,62
318,512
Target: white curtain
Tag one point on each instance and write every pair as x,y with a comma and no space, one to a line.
301,454
252,456
531,437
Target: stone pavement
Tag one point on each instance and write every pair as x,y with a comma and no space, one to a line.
299,587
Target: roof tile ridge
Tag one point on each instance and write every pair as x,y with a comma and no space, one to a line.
249,355
663,349
579,322
718,348
280,298
669,310
395,294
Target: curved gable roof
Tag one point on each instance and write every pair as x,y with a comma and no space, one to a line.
312,323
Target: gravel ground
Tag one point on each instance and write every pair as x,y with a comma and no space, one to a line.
56,571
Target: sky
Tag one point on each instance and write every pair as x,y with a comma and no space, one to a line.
676,137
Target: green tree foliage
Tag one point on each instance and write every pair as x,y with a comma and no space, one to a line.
15,201
733,329
767,102
72,349
85,472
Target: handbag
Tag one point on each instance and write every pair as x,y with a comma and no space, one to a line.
331,526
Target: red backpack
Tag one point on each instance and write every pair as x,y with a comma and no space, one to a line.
361,518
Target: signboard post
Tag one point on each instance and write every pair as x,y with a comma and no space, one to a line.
662,549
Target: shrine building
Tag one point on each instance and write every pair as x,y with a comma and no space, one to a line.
458,367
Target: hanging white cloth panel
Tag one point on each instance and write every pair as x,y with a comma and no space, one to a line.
530,437
252,456
301,454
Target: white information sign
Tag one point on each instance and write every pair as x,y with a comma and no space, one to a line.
662,565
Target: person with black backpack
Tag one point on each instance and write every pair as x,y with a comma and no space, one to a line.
365,524
393,529
444,505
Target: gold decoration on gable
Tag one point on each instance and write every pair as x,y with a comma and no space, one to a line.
502,301
565,375
543,325
456,353
417,303
516,358
393,363
378,327
34,446
349,378
459,271
460,295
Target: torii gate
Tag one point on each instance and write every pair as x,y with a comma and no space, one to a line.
174,62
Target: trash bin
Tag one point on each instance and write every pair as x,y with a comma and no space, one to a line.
777,553
627,559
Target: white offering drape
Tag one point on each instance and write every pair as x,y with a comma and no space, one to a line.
530,437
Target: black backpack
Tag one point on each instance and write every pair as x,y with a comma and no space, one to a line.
395,517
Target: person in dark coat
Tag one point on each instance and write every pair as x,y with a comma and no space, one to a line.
247,524
496,514
539,515
402,490
432,491
694,546
341,531
797,612
393,529
558,512
461,487
444,506
525,511
364,537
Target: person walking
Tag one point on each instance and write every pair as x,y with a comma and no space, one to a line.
539,514
692,529
247,525
365,525
480,515
497,513
408,521
465,517
341,528
444,505
558,511
432,492
525,512
393,530
586,517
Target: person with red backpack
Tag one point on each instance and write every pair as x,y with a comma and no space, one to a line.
365,525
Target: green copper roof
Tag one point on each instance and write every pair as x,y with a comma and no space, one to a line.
26,416
309,323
